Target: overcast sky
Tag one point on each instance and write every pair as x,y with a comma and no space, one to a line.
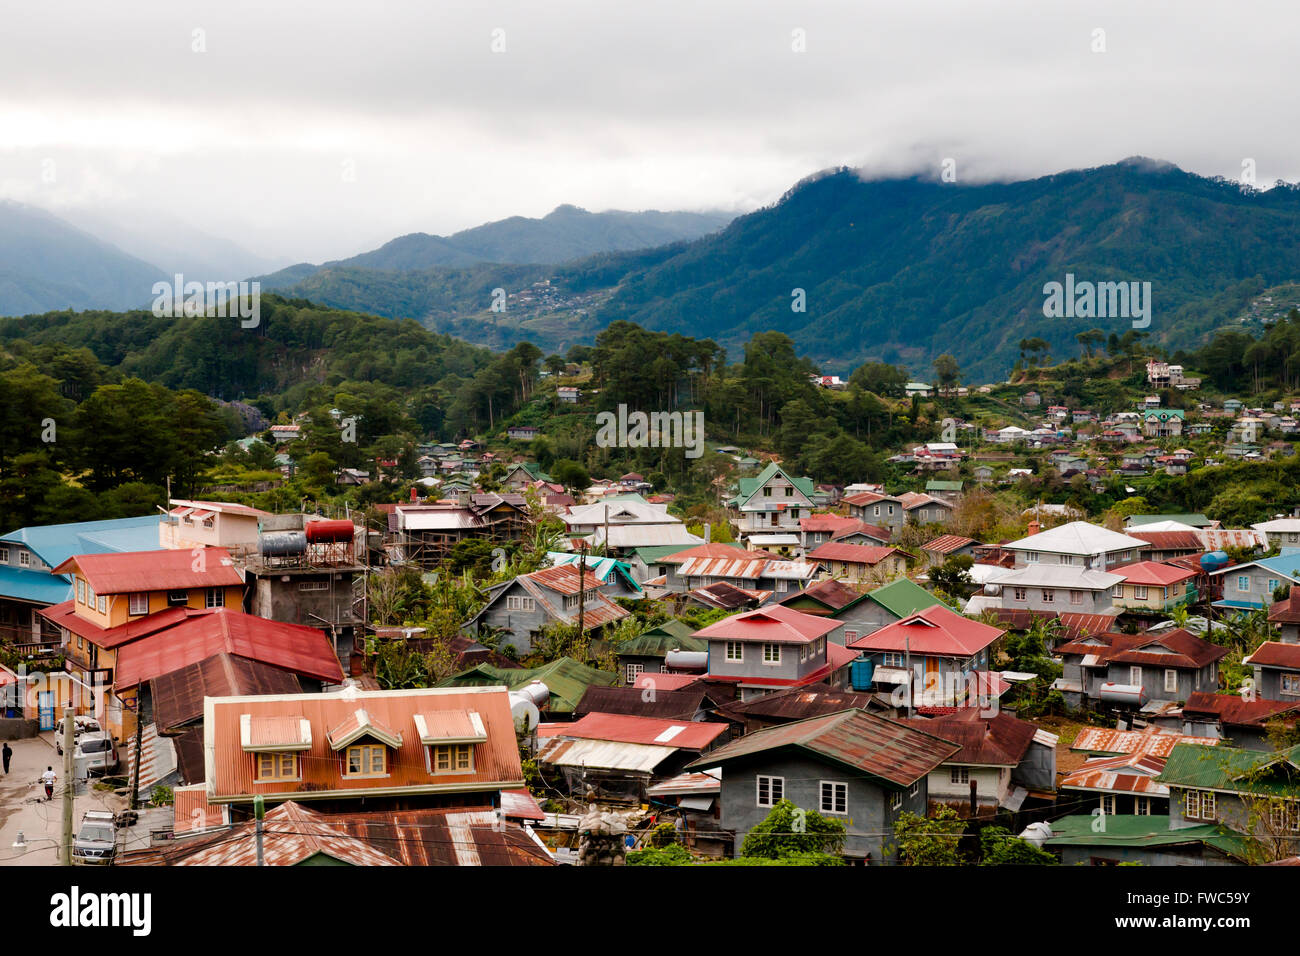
316,130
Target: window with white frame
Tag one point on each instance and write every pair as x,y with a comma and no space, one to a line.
1049,596
1139,592
314,586
1076,597
735,651
1109,804
1291,684
834,797
769,790
959,775
138,603
632,670
102,606
914,789
1272,585
24,558
1067,559
782,585
850,635
1199,805
892,659
1019,594
1135,675
81,591
1171,680
771,653
1031,557
1285,815
896,801
215,597
520,603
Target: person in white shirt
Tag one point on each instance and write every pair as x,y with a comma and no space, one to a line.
49,778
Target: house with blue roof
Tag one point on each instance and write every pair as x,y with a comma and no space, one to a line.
28,555
1250,586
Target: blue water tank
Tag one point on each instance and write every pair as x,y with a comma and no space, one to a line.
860,672
1214,560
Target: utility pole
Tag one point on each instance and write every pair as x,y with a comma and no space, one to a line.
907,666
582,591
259,809
65,847
135,770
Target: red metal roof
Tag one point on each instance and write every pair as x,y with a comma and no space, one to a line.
665,681
1103,740
1153,573
291,647
935,630
1169,540
948,543
731,552
775,624
831,593
230,770
622,728
1276,654
1000,740
1130,773
564,579
125,571
888,750
852,553
1287,610
1188,651
1234,711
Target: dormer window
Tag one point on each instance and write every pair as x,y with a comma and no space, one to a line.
275,743
365,743
277,767
449,738
366,760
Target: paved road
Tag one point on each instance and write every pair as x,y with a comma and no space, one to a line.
23,806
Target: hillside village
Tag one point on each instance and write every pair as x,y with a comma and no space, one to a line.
998,644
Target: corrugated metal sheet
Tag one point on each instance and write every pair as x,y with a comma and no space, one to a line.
193,812
685,735
603,755
155,570
230,771
699,782
178,695
1104,741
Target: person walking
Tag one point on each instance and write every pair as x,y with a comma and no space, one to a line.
48,778
7,754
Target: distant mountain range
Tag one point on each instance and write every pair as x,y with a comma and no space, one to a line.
48,264
853,269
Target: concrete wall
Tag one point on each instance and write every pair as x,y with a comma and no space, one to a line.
1153,680
752,667
1094,602
18,728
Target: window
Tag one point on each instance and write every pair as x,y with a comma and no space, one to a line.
877,511
771,653
139,603
914,789
1076,597
850,636
835,797
1142,806
1049,596
81,591
453,758
1109,804
1020,594
1126,556
90,596
770,790
782,585
4,555
789,492
520,604
366,759
571,602
1272,584
735,651
1031,557
1284,815
1066,559
1200,805
1135,675
178,597
102,607
892,659
958,775
277,767
1171,680
631,671
1243,583
24,558
896,801
314,586
803,653
1291,684
215,597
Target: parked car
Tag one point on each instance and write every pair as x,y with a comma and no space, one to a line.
100,752
96,841
81,725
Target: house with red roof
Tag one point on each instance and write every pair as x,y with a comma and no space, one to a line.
1151,587
1169,665
859,563
1237,720
935,651
775,648
1277,670
878,509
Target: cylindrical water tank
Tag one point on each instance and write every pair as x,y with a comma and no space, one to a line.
687,660
524,713
1036,834
278,544
535,691
1123,693
329,530
1214,560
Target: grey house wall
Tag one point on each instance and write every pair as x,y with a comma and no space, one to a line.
1153,679
752,667
1230,809
1259,591
1037,771
869,812
522,625
866,617
1268,684
1094,602
879,514
930,514
1196,854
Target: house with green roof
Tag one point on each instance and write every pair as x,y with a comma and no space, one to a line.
646,653
1252,792
522,474
770,500
1149,839
566,679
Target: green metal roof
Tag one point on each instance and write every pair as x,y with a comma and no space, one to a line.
903,597
1140,830
671,635
652,553
1265,773
565,678
935,484
1195,520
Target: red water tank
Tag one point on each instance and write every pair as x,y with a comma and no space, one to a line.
321,531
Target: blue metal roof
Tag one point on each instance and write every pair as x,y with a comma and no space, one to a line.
55,543
38,587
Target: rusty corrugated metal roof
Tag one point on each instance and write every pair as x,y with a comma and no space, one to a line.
125,571
178,695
